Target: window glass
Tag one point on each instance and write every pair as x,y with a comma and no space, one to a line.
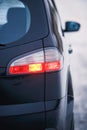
56,16
56,24
22,21
15,20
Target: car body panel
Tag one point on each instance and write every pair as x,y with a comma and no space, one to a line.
39,100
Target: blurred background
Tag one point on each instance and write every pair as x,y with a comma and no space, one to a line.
76,10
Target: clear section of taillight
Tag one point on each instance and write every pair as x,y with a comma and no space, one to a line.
39,61
53,59
34,57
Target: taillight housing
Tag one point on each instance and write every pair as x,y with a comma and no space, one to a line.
38,61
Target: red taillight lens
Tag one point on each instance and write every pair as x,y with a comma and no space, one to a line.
37,62
18,69
53,66
31,68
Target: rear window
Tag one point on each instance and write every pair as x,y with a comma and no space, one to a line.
22,20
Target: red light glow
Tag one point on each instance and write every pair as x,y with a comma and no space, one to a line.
36,68
52,66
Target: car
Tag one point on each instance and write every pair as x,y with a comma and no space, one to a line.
36,90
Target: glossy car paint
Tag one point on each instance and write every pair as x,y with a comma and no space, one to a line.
35,101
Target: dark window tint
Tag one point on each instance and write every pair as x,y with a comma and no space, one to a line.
57,29
14,21
22,21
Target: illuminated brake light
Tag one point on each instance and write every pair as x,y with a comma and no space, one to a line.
18,69
36,68
37,62
32,68
53,66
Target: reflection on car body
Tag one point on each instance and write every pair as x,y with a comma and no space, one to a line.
36,89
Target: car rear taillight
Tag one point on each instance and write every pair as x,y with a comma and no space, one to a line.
39,61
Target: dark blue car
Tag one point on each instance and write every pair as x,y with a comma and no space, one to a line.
36,91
